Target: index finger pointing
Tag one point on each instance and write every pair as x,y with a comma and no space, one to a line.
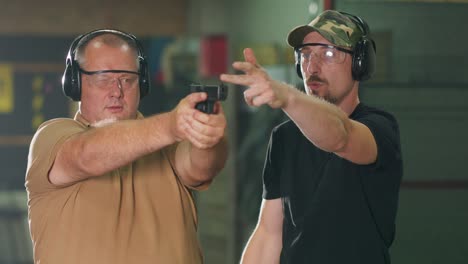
236,79
246,67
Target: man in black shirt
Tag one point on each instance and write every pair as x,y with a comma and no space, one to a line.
332,173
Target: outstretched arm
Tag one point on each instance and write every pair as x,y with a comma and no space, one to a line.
326,125
102,149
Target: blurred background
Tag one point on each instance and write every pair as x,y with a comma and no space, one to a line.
422,78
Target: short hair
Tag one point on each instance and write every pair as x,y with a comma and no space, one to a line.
107,38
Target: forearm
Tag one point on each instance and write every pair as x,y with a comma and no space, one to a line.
205,164
323,123
262,249
103,149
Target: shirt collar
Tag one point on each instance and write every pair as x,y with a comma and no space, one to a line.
78,117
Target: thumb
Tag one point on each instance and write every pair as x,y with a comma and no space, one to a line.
194,98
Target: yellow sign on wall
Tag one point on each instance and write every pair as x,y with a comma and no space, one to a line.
6,89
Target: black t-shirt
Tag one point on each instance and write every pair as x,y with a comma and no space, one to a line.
335,211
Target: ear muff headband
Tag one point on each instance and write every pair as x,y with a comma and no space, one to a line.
363,61
71,79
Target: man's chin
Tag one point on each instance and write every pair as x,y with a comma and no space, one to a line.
120,115
317,93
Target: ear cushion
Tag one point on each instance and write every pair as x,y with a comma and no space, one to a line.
298,70
144,78
363,61
71,80
298,64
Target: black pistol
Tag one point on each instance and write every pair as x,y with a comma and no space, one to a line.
214,92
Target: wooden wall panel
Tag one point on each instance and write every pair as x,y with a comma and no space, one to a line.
70,17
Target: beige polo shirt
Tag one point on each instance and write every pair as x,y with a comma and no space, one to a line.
140,213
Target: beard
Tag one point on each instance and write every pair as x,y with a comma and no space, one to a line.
332,99
328,96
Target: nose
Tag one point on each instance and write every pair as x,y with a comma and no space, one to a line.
312,67
116,88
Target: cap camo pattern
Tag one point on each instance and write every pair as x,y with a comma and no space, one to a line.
336,27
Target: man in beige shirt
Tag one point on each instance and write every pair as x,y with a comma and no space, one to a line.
110,186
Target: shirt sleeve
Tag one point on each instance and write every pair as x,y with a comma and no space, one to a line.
385,130
170,152
42,152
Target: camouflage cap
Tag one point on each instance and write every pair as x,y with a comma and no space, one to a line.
336,27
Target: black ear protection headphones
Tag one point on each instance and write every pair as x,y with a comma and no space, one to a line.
71,79
363,58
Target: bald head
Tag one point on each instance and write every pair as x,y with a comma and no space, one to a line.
102,40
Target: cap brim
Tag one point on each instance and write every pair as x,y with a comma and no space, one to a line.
297,35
